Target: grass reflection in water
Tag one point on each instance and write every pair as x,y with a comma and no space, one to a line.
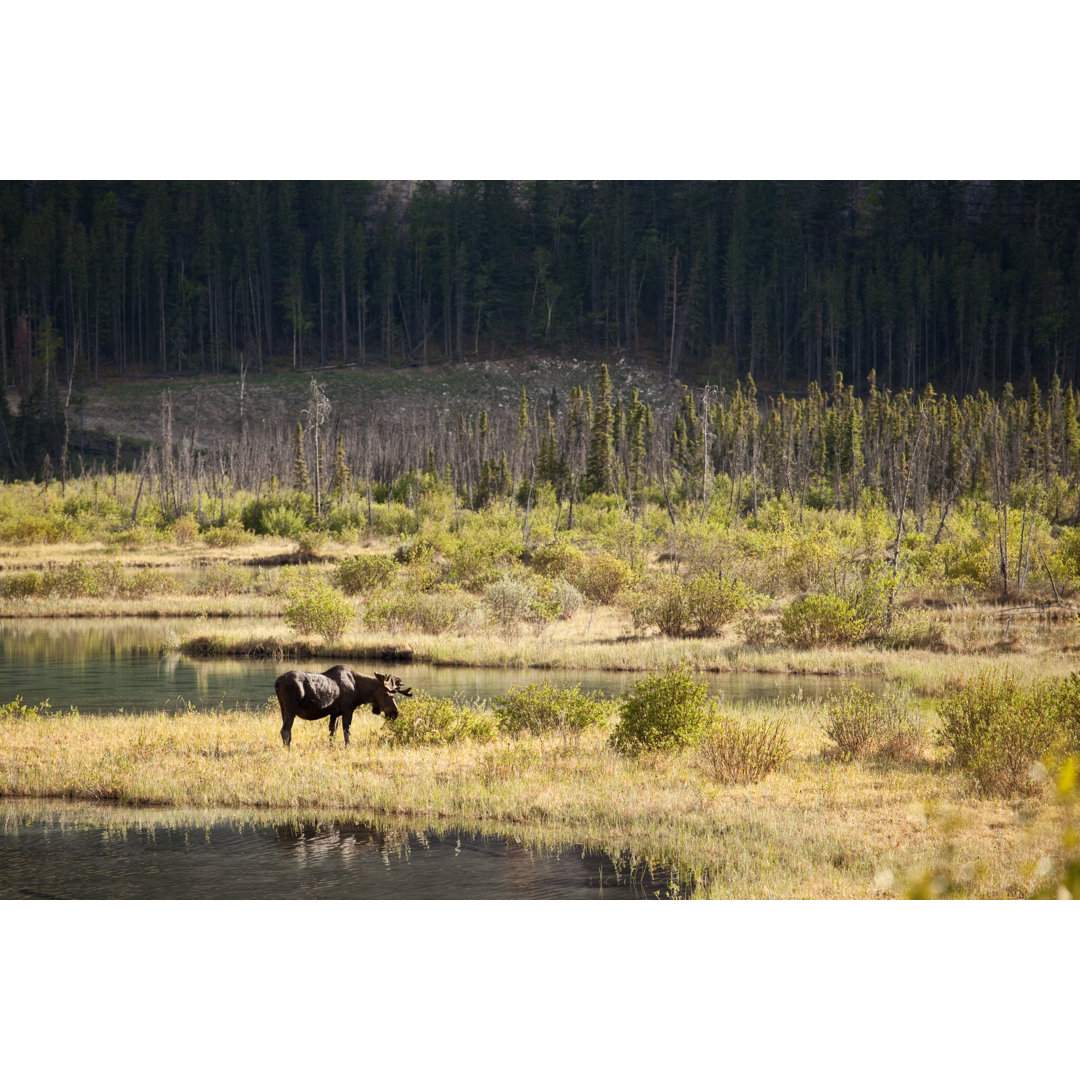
61,851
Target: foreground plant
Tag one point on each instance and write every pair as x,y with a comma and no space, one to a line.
543,708
862,723
743,751
663,713
424,720
998,732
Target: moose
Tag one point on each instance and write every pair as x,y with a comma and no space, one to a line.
335,693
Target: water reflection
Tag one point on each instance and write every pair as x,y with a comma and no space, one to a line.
55,854
108,665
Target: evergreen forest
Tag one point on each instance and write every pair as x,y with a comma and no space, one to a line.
964,284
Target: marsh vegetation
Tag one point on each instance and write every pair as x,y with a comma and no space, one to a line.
928,543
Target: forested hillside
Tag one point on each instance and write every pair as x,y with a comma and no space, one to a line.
963,285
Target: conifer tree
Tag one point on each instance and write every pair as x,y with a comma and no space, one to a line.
301,480
600,469
342,478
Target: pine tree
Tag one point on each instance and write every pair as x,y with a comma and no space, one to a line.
600,469
301,480
635,438
342,479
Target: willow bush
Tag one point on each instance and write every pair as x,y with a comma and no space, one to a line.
663,713
861,723
423,720
743,750
542,708
998,731
313,606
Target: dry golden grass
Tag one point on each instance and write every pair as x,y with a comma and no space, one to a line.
817,828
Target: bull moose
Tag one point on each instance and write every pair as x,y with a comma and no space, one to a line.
335,693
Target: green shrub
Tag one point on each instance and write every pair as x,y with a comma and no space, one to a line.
660,602
185,530
16,710
19,586
821,619
437,612
509,600
423,720
315,607
223,579
541,708
998,730
552,599
602,578
559,559
224,536
712,601
1064,699
486,550
861,723
566,598
363,573
147,581
662,713
283,514
78,579
743,751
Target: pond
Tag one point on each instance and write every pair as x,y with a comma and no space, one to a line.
96,852
111,664
50,851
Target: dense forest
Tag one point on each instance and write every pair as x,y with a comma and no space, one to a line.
968,287
963,284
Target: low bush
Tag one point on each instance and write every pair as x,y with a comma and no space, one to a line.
821,619
21,585
861,723
712,601
148,581
541,708
364,573
313,606
423,720
662,713
998,731
185,530
602,578
743,751
1065,703
283,514
509,600
443,609
223,579
660,602
224,536
559,559
18,710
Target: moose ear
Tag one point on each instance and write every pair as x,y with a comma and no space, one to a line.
381,678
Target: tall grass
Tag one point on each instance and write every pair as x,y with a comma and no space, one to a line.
818,827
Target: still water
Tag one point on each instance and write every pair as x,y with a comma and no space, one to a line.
98,853
109,665
46,855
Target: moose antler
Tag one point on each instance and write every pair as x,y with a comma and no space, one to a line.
393,684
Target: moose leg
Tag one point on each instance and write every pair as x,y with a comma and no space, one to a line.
286,729
333,727
346,723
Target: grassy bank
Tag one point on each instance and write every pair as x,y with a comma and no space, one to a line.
576,647
818,827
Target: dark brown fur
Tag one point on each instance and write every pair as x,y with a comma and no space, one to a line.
335,693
